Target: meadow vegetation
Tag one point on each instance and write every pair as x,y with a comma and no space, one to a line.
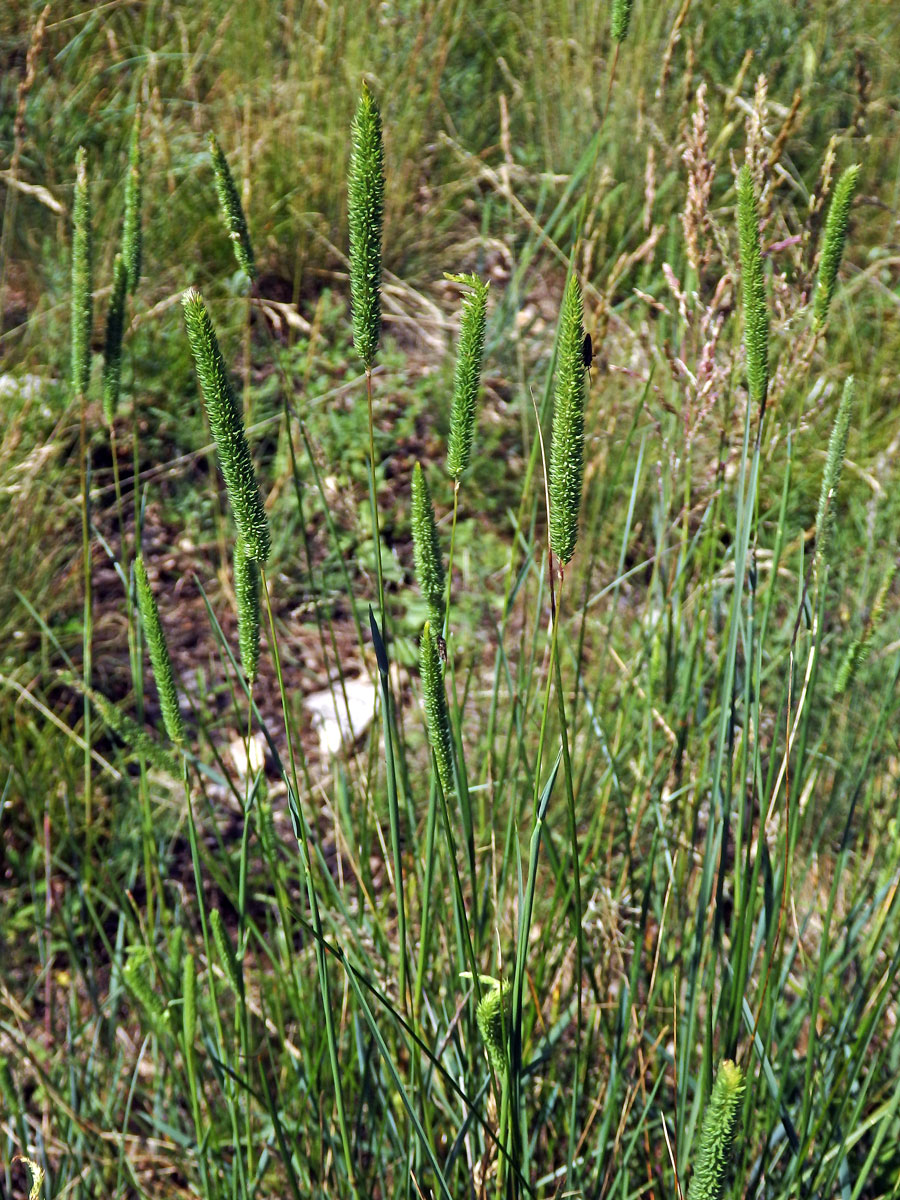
517,385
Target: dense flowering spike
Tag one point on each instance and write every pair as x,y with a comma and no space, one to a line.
136,974
833,242
717,1134
492,1017
82,278
366,217
834,465
753,290
159,654
467,378
427,552
437,718
227,427
567,443
620,19
246,592
112,350
232,210
132,235
230,964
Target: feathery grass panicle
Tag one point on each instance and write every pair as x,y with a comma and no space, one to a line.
227,955
834,465
426,549
567,443
717,1134
132,234
159,655
232,210
833,242
467,377
227,427
246,593
189,999
492,1017
437,717
82,277
753,290
365,218
112,349
620,19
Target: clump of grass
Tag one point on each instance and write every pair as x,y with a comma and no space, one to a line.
567,444
227,427
159,655
366,218
836,224
232,210
82,278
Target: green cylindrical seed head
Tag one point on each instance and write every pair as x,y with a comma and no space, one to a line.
125,727
112,349
426,550
132,234
366,218
232,210
159,655
753,290
246,592
226,952
437,717
467,379
567,441
620,19
227,427
135,974
82,278
189,999
833,242
717,1134
834,465
493,1024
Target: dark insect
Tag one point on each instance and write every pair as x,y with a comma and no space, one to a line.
442,648
587,352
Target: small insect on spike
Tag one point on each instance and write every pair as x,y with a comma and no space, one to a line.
365,203
82,278
717,1134
159,654
587,353
567,443
232,210
227,427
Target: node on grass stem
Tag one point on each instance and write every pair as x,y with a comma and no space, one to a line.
159,655
366,218
567,441
227,427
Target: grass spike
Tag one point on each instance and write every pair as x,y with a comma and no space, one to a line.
492,1018
717,1134
366,218
620,19
246,592
833,242
227,955
437,717
135,975
112,349
132,233
159,655
834,465
467,377
227,427
426,549
232,210
753,290
82,277
567,443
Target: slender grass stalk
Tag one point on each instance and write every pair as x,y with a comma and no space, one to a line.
567,444
132,232
112,350
753,290
467,376
717,1134
159,655
836,224
426,550
228,430
232,210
